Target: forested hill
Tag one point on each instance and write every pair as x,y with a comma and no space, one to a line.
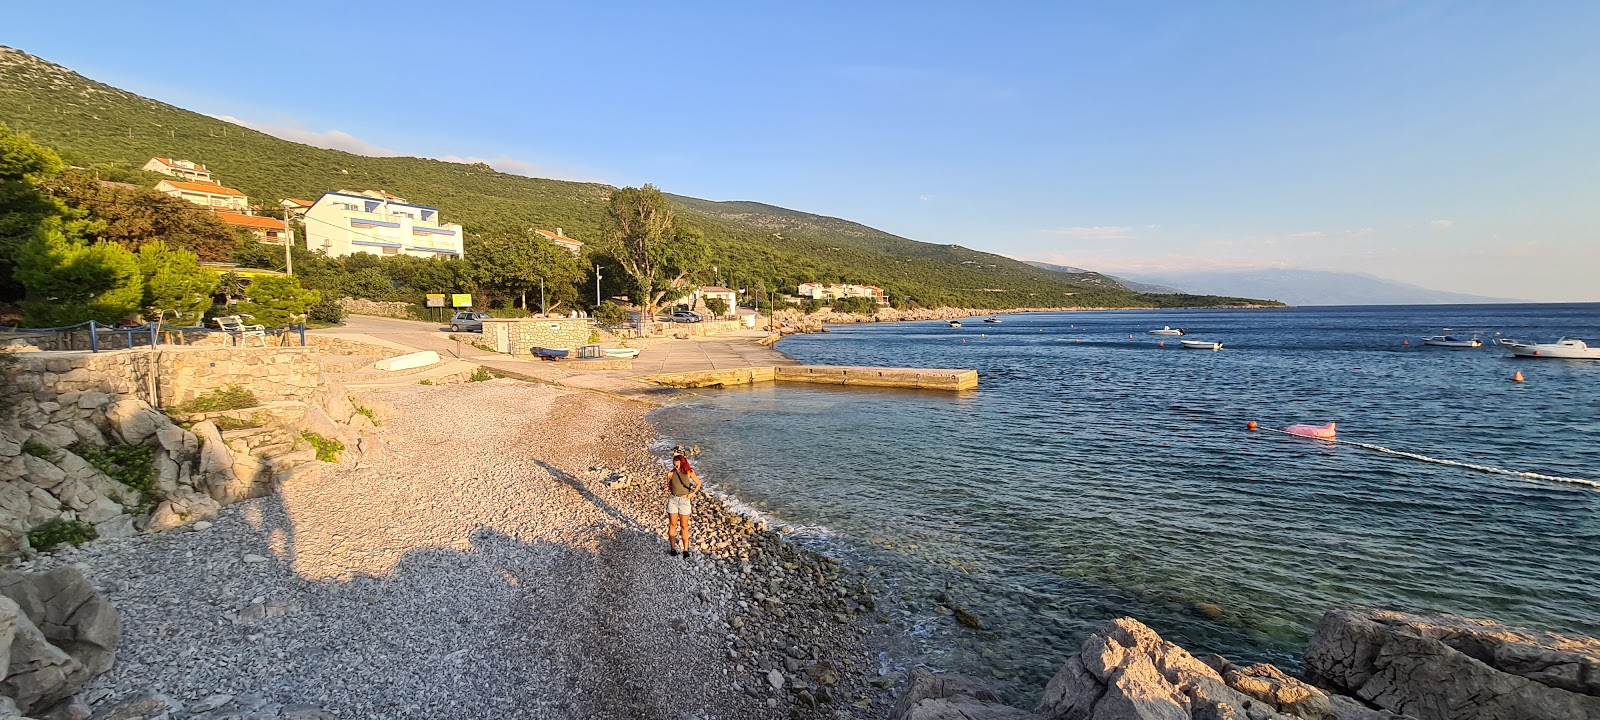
93,124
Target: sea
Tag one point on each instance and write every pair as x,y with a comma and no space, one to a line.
1099,471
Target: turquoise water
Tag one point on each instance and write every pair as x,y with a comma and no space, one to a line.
1092,475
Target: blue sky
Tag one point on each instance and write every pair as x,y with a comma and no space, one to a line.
1450,144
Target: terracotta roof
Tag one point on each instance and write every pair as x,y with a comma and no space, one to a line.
558,238
204,187
299,202
256,222
714,289
174,163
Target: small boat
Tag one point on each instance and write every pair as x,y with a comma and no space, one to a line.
621,352
551,353
994,320
1320,432
1200,345
1453,341
1167,330
953,323
1563,349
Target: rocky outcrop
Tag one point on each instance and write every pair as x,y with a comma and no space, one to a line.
1442,666
56,633
946,696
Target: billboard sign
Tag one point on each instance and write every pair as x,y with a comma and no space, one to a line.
435,300
461,300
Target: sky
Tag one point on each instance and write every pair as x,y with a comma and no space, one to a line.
1454,145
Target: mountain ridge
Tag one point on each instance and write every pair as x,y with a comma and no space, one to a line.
1319,287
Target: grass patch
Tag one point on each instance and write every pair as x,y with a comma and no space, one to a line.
424,382
131,465
232,423
481,374
232,397
327,449
50,535
371,415
40,450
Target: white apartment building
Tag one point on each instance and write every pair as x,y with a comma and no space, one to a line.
829,291
344,222
207,194
561,240
184,169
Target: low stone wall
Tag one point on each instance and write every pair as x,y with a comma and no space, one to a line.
109,339
344,346
517,336
168,376
359,306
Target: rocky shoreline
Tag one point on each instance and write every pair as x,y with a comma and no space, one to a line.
814,322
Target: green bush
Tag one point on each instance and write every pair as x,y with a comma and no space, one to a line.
482,374
232,397
424,382
610,313
855,305
327,449
277,301
232,423
131,465
327,312
371,415
51,534
39,450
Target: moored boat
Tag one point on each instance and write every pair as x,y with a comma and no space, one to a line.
993,320
1563,349
1167,330
1200,345
1452,341
953,323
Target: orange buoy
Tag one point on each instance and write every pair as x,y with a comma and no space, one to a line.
1405,342
1250,425
1517,377
963,341
1163,343
1130,337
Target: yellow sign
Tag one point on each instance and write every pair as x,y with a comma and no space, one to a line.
436,300
461,300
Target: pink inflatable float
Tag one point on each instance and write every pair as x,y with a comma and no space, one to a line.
1324,432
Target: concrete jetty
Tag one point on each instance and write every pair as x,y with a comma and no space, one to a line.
917,378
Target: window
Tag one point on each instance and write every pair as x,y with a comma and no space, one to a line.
391,251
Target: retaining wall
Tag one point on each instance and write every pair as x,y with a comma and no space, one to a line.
169,375
517,336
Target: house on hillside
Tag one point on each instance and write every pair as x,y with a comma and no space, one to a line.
207,194
266,229
830,291
708,292
559,238
182,169
346,222
295,208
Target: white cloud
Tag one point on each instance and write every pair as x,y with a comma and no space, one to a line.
925,198
1310,235
1441,225
294,131
1362,232
1098,232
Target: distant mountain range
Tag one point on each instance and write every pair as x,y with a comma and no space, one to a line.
1133,285
1295,287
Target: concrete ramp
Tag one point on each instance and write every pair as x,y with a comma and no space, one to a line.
919,378
408,361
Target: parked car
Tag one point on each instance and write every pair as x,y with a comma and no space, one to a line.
685,316
468,320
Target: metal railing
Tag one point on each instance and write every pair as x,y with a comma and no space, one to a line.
150,333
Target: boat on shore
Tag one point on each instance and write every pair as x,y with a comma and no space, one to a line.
1167,330
545,353
953,323
1448,340
1200,345
1563,349
621,352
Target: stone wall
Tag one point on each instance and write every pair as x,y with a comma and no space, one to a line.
168,376
517,336
358,306
109,339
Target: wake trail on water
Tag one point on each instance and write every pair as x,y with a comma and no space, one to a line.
1490,469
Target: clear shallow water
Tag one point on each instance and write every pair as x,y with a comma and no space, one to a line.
1092,475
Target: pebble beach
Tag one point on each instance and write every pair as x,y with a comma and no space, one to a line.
502,555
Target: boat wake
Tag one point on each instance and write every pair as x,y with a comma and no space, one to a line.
1490,469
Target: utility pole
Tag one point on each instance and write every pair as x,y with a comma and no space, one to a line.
542,309
288,243
597,269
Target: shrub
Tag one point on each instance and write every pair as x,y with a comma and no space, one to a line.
232,397
232,423
327,449
594,337
39,450
855,305
482,374
424,382
276,301
364,410
326,311
717,306
131,465
51,534
610,313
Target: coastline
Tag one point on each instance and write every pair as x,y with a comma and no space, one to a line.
808,323
523,574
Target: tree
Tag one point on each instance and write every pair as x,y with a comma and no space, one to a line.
856,305
24,206
513,264
132,216
69,282
277,300
175,285
643,238
717,306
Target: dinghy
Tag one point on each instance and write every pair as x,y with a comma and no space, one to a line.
551,353
1200,345
621,352
1452,341
1167,330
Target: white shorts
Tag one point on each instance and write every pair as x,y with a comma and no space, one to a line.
677,505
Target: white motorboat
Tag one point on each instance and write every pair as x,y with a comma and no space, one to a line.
1167,330
953,323
1453,341
1563,349
621,352
994,320
1200,345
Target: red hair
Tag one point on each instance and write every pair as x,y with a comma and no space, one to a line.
681,463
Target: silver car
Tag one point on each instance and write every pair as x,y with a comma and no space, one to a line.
467,320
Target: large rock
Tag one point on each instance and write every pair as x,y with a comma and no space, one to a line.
37,672
1294,697
70,612
944,696
42,473
179,443
134,420
1125,671
215,466
182,507
1443,666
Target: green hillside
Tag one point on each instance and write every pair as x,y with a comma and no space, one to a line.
90,123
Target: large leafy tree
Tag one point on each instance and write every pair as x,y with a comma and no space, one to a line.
176,288
69,281
133,215
643,237
277,300
513,264
25,207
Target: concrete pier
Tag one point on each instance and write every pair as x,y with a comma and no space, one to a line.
917,378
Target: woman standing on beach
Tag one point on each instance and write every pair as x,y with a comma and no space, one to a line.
682,482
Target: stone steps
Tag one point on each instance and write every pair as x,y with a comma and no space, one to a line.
446,373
